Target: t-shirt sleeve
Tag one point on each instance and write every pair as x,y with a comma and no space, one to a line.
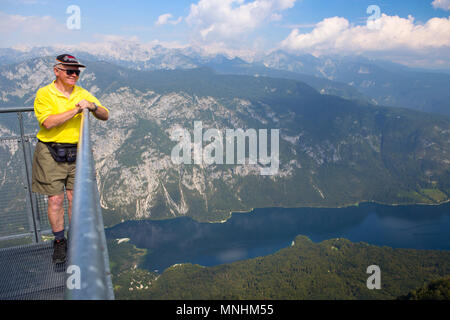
42,106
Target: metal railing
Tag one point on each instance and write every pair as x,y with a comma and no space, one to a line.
88,253
22,210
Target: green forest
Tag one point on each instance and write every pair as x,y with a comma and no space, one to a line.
332,269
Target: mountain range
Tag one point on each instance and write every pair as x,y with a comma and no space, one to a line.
354,77
333,151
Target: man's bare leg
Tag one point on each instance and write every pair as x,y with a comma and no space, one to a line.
69,198
69,211
56,217
55,212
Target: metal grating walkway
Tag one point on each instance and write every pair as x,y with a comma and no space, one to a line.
28,273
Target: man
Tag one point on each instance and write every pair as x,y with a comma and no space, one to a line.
58,107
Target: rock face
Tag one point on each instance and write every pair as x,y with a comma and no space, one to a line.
332,152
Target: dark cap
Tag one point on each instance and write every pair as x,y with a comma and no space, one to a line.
68,60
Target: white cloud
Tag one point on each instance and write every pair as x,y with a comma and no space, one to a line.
441,4
393,35
162,19
166,19
225,20
29,29
29,24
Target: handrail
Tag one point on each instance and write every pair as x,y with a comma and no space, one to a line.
89,276
16,109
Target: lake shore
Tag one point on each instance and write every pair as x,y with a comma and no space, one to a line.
356,204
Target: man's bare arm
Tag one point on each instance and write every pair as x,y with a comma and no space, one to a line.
55,120
101,113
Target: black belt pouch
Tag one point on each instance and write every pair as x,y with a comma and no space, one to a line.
62,152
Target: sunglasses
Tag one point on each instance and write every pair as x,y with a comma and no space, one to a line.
70,72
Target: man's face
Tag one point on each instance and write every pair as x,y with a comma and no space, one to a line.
61,73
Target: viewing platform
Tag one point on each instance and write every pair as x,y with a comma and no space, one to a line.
26,242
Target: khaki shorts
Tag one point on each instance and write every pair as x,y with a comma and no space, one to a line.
50,177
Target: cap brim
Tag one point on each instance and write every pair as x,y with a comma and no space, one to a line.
72,64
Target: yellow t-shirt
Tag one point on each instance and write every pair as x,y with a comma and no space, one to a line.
50,100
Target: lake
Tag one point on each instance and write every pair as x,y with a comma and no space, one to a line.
264,231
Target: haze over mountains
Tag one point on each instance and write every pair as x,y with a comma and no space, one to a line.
333,151
355,77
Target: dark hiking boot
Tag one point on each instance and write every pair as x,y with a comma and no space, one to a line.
59,251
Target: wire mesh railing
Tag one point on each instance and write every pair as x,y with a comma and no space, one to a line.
23,214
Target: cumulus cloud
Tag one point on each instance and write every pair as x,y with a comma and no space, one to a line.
441,4
167,19
389,34
225,20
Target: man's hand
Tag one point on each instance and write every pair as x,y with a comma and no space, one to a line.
84,104
100,113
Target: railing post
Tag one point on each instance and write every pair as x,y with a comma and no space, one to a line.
33,217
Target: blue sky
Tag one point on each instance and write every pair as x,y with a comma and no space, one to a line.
239,25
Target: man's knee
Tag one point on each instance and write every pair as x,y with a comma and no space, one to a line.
56,202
